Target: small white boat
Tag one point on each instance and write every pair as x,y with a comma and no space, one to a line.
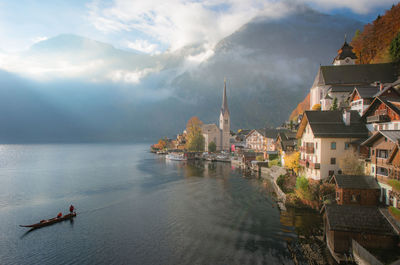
176,156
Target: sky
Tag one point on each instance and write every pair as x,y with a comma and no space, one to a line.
153,26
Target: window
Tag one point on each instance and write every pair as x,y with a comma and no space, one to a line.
373,170
333,145
333,160
385,138
316,145
396,126
353,198
382,153
373,152
346,146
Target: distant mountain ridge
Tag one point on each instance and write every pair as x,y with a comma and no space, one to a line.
126,96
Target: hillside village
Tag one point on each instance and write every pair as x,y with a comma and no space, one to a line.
341,154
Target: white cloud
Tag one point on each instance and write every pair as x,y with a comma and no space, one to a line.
133,77
178,23
142,46
357,6
39,39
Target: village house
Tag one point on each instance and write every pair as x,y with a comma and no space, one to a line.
339,79
364,224
356,190
325,136
384,111
286,143
262,140
385,162
361,97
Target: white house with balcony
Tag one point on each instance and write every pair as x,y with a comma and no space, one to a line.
325,136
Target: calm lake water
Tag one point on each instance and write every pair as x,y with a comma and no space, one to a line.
136,208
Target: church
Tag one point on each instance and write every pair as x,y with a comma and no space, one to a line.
339,79
220,135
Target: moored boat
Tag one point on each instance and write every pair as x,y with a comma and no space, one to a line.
51,221
176,156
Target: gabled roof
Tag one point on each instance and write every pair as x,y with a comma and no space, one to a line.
364,92
392,103
393,136
356,74
268,132
355,218
355,182
329,124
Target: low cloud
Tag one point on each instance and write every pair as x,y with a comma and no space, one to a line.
142,46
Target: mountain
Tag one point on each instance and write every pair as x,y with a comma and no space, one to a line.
70,88
269,64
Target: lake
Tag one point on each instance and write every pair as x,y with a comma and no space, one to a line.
135,207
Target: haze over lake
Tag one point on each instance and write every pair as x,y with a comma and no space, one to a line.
135,207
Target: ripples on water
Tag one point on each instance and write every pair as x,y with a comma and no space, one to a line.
135,208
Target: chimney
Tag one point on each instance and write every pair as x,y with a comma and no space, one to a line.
346,117
380,87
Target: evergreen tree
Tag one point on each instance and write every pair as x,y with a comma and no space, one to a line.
334,104
395,48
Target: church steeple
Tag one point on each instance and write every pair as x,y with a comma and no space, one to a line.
224,121
345,54
224,106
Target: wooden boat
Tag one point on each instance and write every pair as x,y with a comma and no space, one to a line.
51,221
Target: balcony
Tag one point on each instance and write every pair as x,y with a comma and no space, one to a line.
380,116
308,164
307,149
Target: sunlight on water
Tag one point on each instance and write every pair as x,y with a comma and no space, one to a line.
134,207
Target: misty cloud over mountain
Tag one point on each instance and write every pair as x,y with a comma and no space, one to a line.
69,88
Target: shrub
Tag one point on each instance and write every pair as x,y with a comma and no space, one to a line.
280,181
326,189
260,158
273,157
275,162
395,184
395,212
304,190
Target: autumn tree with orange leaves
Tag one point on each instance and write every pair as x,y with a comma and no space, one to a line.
373,43
194,136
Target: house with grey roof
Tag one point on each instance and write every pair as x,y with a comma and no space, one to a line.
385,162
358,190
362,96
325,136
364,224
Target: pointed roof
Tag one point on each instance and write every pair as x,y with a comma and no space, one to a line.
224,107
345,51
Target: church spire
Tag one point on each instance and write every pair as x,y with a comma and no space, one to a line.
224,106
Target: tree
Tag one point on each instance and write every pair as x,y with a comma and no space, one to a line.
292,161
212,147
194,137
350,164
334,104
316,107
395,48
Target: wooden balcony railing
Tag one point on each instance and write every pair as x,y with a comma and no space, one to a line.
308,164
378,118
